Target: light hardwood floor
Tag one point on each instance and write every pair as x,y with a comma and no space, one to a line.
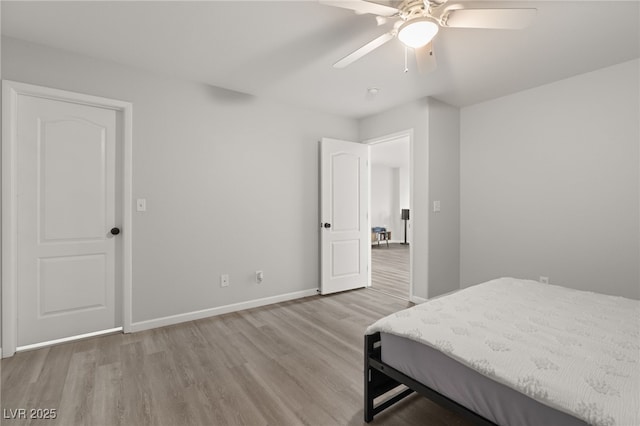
293,363
390,269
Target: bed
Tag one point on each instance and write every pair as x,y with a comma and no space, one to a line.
511,352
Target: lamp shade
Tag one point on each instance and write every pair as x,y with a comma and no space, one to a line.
405,214
418,32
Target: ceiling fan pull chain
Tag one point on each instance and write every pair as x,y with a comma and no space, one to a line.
406,61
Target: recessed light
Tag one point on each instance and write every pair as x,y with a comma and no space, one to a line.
373,91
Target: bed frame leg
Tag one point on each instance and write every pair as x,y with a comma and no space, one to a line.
368,372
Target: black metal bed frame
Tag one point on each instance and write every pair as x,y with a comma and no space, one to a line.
380,378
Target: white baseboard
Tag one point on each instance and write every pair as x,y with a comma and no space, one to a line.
417,300
220,310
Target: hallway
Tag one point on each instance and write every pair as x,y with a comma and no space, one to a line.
390,269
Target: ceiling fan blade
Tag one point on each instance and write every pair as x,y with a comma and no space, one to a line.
362,7
425,58
508,19
367,48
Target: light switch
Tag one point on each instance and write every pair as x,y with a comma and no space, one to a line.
436,206
141,204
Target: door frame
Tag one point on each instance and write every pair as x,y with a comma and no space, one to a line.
390,138
124,110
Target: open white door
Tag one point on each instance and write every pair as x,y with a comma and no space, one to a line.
344,204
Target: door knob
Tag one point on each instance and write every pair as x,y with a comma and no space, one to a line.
327,225
115,231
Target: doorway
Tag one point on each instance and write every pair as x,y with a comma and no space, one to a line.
67,237
390,214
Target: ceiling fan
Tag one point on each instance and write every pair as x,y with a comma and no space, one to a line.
418,22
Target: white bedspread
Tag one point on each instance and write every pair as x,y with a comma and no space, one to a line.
576,351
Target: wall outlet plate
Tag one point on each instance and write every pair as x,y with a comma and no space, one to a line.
224,280
141,204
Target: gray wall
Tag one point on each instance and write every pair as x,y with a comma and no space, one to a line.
435,173
444,186
550,184
384,198
0,202
230,181
388,192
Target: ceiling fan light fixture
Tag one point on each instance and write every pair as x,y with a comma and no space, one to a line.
418,32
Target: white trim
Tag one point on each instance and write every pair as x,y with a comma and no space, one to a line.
220,310
67,339
9,220
10,92
127,209
417,300
369,264
390,138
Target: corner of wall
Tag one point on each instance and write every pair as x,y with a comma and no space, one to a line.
444,187
0,221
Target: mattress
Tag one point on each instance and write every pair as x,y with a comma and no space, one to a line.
575,352
493,401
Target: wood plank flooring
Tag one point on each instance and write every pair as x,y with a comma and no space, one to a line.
390,269
293,363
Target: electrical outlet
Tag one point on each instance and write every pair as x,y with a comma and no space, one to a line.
259,276
141,204
544,280
224,280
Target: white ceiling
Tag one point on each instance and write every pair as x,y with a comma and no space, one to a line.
284,50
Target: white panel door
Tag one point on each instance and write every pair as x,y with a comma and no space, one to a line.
344,203
66,210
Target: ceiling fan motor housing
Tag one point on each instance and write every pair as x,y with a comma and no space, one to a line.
411,9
